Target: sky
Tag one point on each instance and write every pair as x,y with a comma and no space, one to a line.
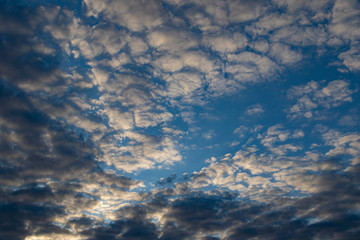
179,119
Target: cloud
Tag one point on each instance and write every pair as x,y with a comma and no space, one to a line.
269,23
243,69
242,11
225,215
172,40
135,15
254,110
349,120
351,58
305,36
50,166
284,54
312,96
345,19
241,131
345,25
309,5
342,143
225,43
183,84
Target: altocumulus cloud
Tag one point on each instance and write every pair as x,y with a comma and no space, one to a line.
98,97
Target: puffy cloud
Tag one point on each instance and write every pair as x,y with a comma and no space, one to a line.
182,84
242,69
284,54
351,58
305,36
51,166
342,143
135,15
225,43
345,24
254,110
346,19
269,23
349,120
242,11
172,40
312,96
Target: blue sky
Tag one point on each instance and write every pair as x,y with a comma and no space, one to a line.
179,119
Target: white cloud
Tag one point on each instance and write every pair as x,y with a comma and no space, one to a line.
136,15
209,134
301,36
348,144
345,25
137,46
182,84
119,120
226,43
216,9
151,117
241,131
169,63
118,60
300,181
283,54
242,11
186,60
334,94
266,172
198,61
351,58
201,21
298,134
261,46
134,151
172,41
284,149
275,134
248,67
216,13
100,77
254,110
312,96
345,21
277,138
269,23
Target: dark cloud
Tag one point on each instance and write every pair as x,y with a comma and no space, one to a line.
135,225
329,214
44,163
292,218
20,219
170,179
23,56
